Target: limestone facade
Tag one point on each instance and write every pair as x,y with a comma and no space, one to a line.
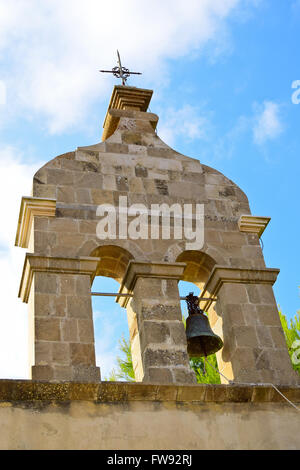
66,255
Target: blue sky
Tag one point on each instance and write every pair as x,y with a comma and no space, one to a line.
222,74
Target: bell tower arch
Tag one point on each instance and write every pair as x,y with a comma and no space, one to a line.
58,226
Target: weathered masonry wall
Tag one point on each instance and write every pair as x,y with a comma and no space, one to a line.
37,415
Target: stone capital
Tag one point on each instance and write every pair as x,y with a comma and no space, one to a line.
142,269
55,265
129,99
30,207
224,274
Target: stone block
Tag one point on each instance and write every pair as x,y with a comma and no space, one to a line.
177,333
85,331
184,375
44,190
63,225
43,352
69,330
234,238
234,312
261,357
278,337
44,241
264,336
71,240
60,177
109,183
245,336
234,293
116,148
268,315
102,197
83,285
266,294
79,307
243,363
88,180
253,294
165,357
47,329
161,312
65,194
141,171
45,283
153,332
136,185
66,284
158,375
60,353
83,196
122,183
82,373
42,373
82,353
62,373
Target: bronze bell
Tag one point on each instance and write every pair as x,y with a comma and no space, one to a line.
201,340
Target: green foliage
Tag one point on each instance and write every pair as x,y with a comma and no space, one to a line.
125,369
291,329
205,374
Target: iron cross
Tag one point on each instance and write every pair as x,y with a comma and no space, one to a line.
121,72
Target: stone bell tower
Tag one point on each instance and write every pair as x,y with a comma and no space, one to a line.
58,227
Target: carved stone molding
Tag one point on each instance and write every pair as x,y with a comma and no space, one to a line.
53,265
31,207
138,269
253,224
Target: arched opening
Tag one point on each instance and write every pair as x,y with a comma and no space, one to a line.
110,319
113,261
198,268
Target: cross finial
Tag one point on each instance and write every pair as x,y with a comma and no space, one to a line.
121,72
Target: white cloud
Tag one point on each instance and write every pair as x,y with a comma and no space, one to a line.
15,181
2,93
267,124
187,121
55,48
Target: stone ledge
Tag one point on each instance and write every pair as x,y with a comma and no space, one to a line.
253,224
122,392
55,265
225,274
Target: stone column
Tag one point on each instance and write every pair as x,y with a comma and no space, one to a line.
157,335
61,333
246,317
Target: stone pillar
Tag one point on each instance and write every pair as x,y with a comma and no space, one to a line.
246,317
61,333
157,335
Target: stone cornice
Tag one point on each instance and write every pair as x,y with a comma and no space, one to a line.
33,392
30,207
55,265
224,274
253,224
136,269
